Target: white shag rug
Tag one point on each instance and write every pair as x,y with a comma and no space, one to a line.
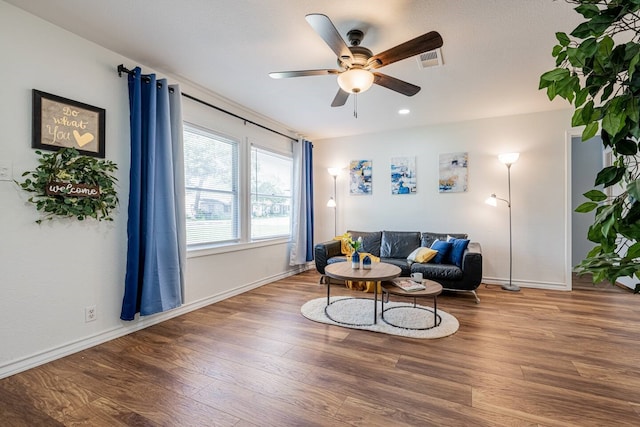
357,313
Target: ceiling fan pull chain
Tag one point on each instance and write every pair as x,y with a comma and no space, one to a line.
355,105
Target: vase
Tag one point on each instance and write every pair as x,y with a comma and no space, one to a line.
355,260
366,263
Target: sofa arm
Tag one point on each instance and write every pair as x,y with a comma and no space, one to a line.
324,251
472,265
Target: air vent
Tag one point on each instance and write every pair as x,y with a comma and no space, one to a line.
433,58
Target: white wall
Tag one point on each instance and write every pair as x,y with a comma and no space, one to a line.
49,273
538,191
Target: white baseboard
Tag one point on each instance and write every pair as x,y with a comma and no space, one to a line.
558,286
40,358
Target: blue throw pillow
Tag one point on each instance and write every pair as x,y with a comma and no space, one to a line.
443,249
458,247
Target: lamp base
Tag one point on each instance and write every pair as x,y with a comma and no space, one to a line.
511,287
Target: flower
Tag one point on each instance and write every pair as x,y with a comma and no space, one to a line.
347,244
355,244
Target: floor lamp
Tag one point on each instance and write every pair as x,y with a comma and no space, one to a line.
508,159
332,201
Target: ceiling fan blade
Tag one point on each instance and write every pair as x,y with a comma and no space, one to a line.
394,84
424,43
325,29
340,99
301,73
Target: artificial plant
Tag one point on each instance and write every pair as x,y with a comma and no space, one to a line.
68,166
598,72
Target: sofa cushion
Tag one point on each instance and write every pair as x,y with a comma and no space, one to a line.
443,249
458,246
422,255
428,237
335,259
370,241
399,244
438,272
405,267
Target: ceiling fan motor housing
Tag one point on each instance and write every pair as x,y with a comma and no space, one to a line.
360,57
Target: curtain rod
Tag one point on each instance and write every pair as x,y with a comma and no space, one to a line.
123,69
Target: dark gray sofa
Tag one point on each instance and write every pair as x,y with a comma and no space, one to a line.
394,247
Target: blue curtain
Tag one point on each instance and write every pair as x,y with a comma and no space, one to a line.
156,236
308,183
302,221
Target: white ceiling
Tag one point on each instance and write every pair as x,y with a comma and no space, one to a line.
494,52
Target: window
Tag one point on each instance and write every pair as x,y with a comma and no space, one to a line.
271,179
225,205
211,179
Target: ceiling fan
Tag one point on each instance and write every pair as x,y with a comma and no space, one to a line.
356,62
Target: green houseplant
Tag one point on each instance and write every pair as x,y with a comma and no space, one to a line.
67,184
598,72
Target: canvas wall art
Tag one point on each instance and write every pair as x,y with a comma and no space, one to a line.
360,177
403,175
453,172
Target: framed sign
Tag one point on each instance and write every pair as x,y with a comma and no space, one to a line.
62,123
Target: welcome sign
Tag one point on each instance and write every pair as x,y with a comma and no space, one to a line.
63,123
72,190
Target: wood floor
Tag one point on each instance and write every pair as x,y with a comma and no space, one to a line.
585,283
532,358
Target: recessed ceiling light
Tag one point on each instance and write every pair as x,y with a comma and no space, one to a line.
404,111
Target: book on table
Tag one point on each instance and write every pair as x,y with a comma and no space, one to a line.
408,284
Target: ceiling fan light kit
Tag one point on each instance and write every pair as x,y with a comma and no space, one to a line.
355,80
357,62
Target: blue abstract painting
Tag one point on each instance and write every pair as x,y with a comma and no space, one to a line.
360,174
403,175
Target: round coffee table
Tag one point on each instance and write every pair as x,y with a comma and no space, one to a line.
432,290
342,271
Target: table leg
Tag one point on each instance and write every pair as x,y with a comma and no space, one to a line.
435,310
375,302
328,289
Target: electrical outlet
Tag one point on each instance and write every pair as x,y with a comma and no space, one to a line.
90,313
5,171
